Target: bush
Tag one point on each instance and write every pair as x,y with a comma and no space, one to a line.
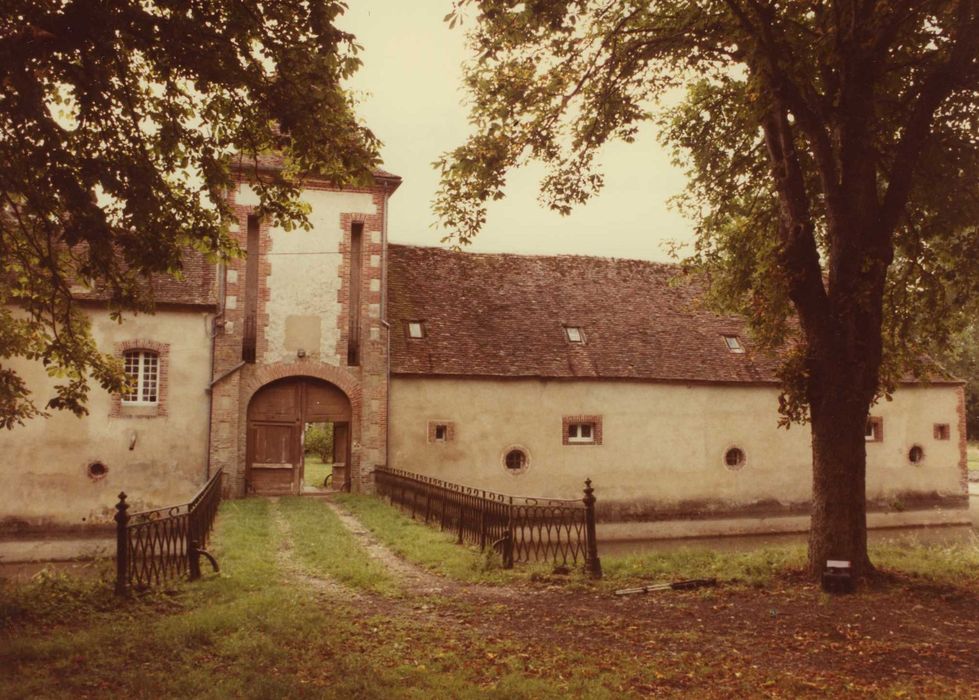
319,441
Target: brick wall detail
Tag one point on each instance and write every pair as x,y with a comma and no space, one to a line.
963,442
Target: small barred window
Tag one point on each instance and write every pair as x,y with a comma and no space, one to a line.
143,372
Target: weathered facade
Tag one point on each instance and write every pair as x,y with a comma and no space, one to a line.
518,374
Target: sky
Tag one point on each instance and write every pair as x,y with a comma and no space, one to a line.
411,95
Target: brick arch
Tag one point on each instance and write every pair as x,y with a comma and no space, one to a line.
340,378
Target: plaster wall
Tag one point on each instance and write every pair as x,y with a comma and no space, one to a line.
662,444
303,306
45,481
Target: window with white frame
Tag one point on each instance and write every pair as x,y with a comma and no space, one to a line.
581,432
143,371
574,334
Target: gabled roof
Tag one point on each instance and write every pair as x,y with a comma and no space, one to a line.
504,315
197,286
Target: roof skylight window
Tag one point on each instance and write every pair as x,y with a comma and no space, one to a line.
416,329
574,334
733,343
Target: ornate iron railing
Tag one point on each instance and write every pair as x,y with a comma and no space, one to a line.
521,529
156,546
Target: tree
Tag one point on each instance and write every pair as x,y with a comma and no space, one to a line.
831,152
961,358
318,440
119,121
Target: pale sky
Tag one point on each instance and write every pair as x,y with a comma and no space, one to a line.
412,98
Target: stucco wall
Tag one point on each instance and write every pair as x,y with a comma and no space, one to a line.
45,481
304,278
662,444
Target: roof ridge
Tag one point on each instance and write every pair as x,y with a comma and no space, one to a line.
536,256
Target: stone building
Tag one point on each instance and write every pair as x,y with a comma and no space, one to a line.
518,374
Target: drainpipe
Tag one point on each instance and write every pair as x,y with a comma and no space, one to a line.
387,329
213,334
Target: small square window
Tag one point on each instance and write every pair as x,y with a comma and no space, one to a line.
574,334
733,343
416,329
582,430
942,431
874,431
441,431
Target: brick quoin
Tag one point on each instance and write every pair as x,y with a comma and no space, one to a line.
365,385
963,442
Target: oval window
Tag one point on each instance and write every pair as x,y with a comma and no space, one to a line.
916,454
97,470
734,458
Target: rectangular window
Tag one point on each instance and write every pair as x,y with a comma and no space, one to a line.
356,263
249,340
574,334
582,430
441,431
143,371
874,431
733,343
942,431
416,329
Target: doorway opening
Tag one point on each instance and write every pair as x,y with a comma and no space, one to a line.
295,424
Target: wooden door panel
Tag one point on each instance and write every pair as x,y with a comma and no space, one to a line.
325,402
279,402
274,444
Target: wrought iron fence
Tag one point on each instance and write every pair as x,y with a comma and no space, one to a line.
521,529
156,546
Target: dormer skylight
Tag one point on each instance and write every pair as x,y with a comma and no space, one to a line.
574,334
733,343
416,329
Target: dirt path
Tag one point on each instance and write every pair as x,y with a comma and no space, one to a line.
290,565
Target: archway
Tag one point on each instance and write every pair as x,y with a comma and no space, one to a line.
277,416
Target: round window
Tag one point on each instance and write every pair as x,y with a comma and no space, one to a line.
515,460
916,454
97,470
734,458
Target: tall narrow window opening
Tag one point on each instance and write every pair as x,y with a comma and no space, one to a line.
142,369
249,343
356,263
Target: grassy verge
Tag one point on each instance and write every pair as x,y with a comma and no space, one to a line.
325,546
253,632
316,471
428,547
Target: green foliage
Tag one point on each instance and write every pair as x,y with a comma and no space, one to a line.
961,358
318,440
120,123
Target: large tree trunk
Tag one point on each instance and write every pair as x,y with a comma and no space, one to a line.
839,493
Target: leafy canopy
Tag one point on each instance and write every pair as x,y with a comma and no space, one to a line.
831,149
119,124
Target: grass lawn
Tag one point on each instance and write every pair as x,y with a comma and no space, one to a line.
316,471
262,630
974,456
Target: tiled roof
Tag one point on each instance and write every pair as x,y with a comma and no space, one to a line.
272,162
505,315
196,288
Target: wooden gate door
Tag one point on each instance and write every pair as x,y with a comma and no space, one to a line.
277,416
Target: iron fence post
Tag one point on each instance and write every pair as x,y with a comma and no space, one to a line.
594,565
482,522
462,510
194,559
122,546
508,537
